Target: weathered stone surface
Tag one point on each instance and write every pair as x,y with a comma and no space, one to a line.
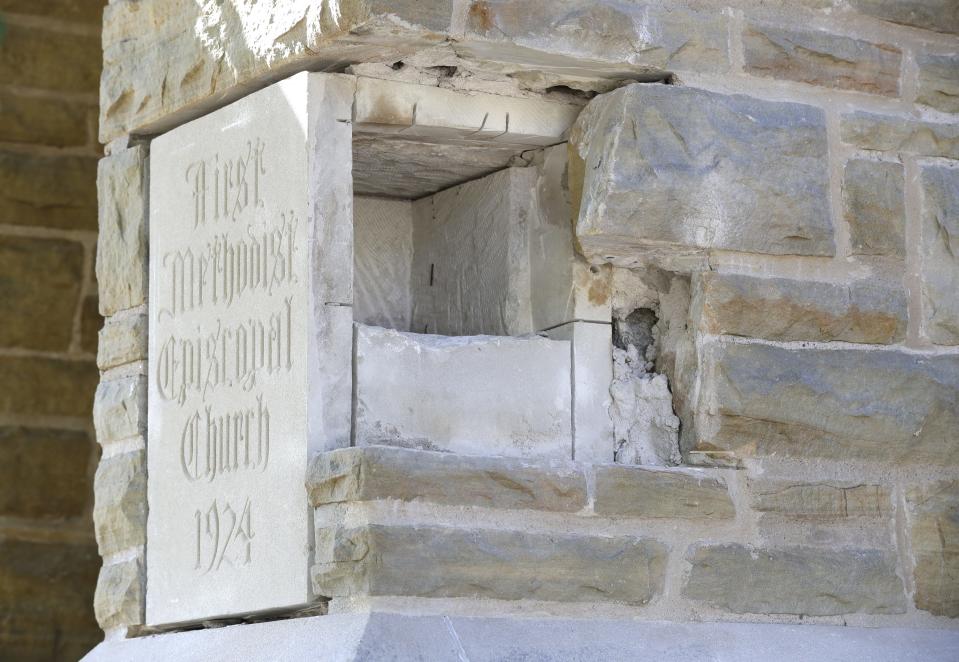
819,500
40,281
45,595
90,324
47,191
797,580
933,512
675,169
382,256
118,601
120,409
938,15
122,340
57,123
484,563
939,253
871,405
379,472
122,242
898,134
646,431
938,81
820,58
682,493
863,311
33,57
34,386
874,207
43,473
120,511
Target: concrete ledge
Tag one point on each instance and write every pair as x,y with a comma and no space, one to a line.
385,636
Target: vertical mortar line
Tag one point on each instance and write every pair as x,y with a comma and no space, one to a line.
76,335
837,155
904,558
909,78
913,236
737,52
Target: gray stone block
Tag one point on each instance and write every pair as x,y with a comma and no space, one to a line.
119,598
939,81
933,513
120,409
939,253
874,207
898,134
120,512
679,493
819,500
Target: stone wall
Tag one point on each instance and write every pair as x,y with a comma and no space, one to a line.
50,320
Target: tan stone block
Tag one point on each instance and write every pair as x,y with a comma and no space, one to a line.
40,281
53,122
938,15
482,563
48,191
874,207
44,473
87,11
797,580
119,599
785,309
120,409
819,500
623,491
120,513
896,134
820,58
939,253
122,341
939,81
122,242
934,536
33,386
33,57
377,472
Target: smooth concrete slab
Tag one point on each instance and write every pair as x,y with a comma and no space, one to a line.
386,636
250,344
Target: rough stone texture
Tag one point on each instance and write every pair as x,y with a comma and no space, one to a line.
820,58
382,256
120,409
819,500
484,563
488,395
33,57
120,513
685,494
45,595
839,404
41,190
40,282
939,81
119,600
377,472
938,15
56,123
646,430
122,242
874,207
933,512
676,169
866,311
802,581
122,340
35,386
43,473
897,134
939,253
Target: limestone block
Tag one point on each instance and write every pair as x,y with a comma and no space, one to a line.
123,339
33,459
381,472
933,513
939,253
938,15
382,257
120,409
865,311
485,563
838,404
32,56
35,386
250,344
938,81
874,207
671,170
795,580
122,241
898,134
53,122
41,190
40,281
477,395
120,512
661,493
820,58
819,500
118,601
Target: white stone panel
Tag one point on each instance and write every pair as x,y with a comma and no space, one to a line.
250,344
478,395
382,257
